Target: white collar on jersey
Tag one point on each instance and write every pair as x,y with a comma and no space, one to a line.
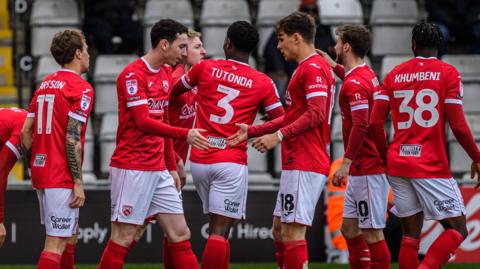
149,67
308,57
238,62
425,58
355,67
67,70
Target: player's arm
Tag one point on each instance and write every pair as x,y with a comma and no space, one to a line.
74,159
187,81
27,133
170,159
378,116
7,161
359,108
458,123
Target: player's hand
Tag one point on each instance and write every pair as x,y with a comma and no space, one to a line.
327,57
266,142
182,173
196,139
340,176
240,136
78,194
176,180
3,234
475,171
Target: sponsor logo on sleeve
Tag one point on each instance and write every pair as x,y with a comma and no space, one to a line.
85,103
40,160
132,86
410,150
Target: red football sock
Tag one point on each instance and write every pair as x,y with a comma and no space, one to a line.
408,257
167,257
215,252
132,245
379,255
49,260
68,257
113,256
442,249
359,255
296,254
182,255
279,253
226,263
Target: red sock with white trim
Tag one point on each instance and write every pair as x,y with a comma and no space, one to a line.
49,260
379,255
68,257
182,255
215,252
113,256
408,256
442,249
296,254
359,255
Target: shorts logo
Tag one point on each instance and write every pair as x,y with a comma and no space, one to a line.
40,160
127,210
445,205
85,103
61,223
231,206
217,142
410,150
132,86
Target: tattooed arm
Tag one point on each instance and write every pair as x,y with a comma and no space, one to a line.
74,158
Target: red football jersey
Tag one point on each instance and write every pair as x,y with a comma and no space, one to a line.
61,95
140,84
417,91
357,91
182,112
310,151
229,92
11,123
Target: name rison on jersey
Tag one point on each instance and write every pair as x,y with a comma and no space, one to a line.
231,77
418,76
52,84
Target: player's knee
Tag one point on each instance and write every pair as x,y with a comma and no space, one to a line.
293,232
178,235
373,235
349,231
459,224
123,235
55,244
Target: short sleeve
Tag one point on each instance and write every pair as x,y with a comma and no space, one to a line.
316,81
357,95
190,79
454,87
82,103
271,99
132,85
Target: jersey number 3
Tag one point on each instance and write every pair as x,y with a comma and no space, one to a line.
41,99
417,114
225,104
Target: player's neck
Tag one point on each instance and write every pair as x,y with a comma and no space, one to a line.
305,51
351,62
238,58
74,67
154,59
426,53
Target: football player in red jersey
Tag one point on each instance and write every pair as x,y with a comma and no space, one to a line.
56,122
230,91
143,172
11,122
366,197
422,94
304,132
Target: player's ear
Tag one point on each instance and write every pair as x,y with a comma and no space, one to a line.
297,38
163,44
78,53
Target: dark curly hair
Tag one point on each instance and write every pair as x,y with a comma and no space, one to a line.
243,35
427,36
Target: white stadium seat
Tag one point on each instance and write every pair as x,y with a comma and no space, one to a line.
179,10
108,133
88,153
269,13
471,97
467,65
336,128
459,160
107,69
48,18
257,161
337,12
392,23
390,61
216,16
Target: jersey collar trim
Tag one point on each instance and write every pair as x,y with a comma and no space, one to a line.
67,70
425,58
238,62
351,70
308,57
149,67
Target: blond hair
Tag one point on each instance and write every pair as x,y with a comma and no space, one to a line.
192,33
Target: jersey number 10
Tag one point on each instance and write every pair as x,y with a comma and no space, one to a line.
417,114
41,99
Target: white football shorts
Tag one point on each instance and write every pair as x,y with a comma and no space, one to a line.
222,187
366,199
136,195
59,218
438,198
298,196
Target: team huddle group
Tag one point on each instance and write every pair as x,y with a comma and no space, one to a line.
164,93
